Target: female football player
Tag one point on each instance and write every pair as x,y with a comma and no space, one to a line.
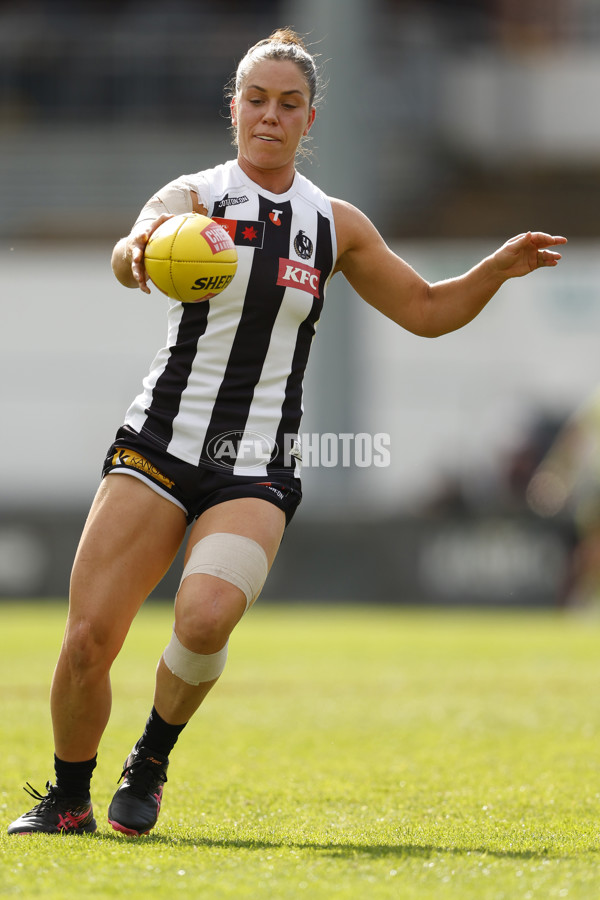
188,455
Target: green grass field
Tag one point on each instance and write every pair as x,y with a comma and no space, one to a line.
346,753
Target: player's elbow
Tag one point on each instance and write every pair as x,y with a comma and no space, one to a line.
424,322
428,318
121,266
425,329
420,315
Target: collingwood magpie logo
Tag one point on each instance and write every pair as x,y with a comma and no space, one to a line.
303,245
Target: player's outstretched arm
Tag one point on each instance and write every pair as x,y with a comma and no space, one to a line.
393,287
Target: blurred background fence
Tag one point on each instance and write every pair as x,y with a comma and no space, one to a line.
454,126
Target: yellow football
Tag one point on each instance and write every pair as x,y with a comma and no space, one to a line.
190,258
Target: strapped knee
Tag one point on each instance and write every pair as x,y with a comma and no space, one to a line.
193,668
232,557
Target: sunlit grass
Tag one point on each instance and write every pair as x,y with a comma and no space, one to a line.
347,752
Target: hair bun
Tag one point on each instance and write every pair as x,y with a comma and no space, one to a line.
286,35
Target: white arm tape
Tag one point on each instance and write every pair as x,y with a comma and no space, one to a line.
174,198
232,557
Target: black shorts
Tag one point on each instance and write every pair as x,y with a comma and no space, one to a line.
194,488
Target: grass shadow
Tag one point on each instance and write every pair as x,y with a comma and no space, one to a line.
336,848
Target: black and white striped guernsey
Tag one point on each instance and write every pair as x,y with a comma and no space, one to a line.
226,390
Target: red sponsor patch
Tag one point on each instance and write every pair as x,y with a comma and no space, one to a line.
299,275
243,233
217,238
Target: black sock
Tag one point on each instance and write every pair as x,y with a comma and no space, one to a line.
73,778
159,735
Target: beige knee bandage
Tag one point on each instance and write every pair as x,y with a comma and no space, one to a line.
236,559
232,557
193,668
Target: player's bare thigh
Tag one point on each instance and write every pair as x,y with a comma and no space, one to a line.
130,539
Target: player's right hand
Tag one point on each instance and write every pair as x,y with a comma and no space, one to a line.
135,247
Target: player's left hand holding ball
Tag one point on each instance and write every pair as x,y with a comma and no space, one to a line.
526,252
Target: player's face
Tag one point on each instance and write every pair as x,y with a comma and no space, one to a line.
271,113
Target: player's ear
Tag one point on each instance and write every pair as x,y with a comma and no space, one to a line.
311,119
233,111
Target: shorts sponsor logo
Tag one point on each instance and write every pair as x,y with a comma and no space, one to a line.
271,487
136,461
241,449
299,275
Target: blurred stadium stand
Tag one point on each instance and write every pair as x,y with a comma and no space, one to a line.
481,110
495,561
478,118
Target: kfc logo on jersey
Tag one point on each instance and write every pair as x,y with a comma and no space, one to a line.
298,275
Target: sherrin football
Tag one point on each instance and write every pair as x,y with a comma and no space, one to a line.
190,258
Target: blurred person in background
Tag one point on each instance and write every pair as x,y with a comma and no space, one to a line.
566,486
237,359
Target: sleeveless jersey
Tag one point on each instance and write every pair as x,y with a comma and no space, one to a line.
226,390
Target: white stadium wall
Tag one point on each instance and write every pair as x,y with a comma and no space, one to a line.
77,345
